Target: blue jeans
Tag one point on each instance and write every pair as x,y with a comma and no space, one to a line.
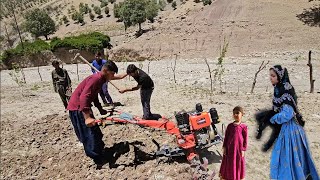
91,137
104,94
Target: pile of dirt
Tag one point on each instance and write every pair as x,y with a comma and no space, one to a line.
36,149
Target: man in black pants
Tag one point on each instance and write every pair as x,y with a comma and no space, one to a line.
146,86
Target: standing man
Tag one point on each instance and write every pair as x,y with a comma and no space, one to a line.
98,63
81,115
146,86
61,83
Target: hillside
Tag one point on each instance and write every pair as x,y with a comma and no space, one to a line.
250,26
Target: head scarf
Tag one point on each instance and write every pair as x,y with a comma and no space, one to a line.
284,92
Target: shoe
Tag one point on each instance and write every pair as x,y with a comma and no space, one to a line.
266,147
99,166
259,134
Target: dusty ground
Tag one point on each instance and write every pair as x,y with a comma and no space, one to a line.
38,142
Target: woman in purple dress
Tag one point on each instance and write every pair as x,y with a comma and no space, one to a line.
234,145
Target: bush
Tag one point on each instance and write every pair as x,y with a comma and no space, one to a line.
91,16
65,19
83,9
103,3
29,49
116,10
97,10
106,10
174,5
162,5
87,8
151,10
78,17
206,2
91,42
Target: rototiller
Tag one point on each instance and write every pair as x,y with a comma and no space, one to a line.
194,130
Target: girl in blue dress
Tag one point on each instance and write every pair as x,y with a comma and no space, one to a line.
291,158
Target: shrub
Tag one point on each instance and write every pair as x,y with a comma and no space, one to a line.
91,16
174,5
206,2
91,42
103,3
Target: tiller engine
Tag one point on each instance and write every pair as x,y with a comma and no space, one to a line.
194,130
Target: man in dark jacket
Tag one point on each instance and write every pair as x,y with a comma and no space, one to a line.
61,83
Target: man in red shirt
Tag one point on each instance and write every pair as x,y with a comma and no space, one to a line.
81,114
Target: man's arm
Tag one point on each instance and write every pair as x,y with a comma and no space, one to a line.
97,104
68,79
53,82
130,89
93,64
119,76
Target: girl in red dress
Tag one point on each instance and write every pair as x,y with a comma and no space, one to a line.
234,145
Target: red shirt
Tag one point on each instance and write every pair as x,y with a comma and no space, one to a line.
86,93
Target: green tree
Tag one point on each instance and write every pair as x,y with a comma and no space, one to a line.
65,19
91,16
83,8
106,10
174,5
133,12
74,16
206,2
116,10
103,3
87,7
152,9
97,10
78,17
39,23
162,5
